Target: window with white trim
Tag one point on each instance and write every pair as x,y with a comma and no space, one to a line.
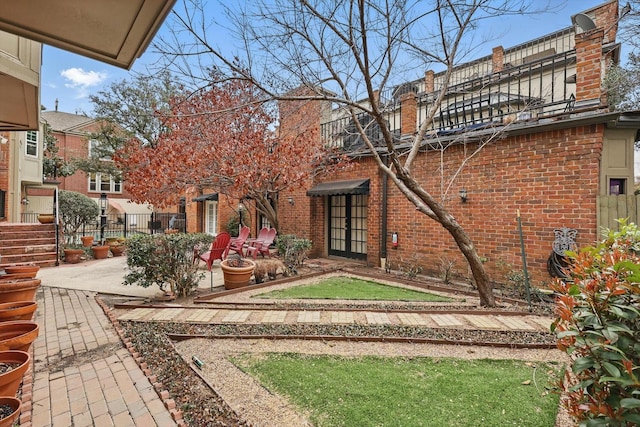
104,183
31,143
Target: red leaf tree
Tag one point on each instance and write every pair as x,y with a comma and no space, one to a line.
225,138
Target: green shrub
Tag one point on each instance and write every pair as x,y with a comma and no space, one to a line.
233,224
293,251
165,259
598,325
75,210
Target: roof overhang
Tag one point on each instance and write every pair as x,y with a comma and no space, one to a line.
113,31
334,188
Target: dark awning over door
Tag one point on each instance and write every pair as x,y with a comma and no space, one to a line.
333,188
205,197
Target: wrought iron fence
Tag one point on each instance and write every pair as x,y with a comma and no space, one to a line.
124,225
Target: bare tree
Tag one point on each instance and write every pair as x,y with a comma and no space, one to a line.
356,49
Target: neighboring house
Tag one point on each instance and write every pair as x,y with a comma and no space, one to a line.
72,134
563,159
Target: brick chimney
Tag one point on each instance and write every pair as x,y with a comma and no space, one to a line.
429,81
589,66
409,115
497,59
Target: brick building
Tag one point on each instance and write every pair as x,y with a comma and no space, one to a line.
558,155
72,133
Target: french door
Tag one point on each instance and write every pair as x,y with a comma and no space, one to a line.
211,217
348,226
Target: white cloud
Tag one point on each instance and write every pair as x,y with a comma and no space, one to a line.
82,80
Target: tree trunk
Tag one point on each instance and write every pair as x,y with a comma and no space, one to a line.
480,276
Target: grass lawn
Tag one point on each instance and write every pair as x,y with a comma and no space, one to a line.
374,391
352,289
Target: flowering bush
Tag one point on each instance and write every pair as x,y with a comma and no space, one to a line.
165,259
598,325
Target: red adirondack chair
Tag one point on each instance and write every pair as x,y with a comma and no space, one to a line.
237,244
217,250
262,246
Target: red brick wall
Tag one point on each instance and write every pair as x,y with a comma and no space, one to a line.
551,177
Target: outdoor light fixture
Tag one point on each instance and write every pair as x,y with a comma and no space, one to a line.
103,215
463,195
103,203
24,201
291,201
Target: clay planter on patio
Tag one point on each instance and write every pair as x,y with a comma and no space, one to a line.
117,250
18,310
100,252
46,218
10,408
18,290
73,256
17,335
237,277
13,365
31,270
87,241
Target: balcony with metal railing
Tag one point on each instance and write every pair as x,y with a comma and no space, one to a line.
533,80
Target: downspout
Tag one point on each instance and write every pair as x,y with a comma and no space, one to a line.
383,214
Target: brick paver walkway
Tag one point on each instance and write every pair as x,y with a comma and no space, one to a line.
83,376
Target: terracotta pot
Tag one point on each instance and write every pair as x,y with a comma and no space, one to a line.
15,404
46,218
117,250
32,270
87,241
10,380
18,310
73,256
16,276
237,277
100,252
111,241
18,290
18,335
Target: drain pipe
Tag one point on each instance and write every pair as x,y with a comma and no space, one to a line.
383,214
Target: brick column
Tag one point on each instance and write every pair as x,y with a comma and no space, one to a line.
589,65
429,81
409,115
497,59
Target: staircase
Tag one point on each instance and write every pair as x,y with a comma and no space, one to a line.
27,243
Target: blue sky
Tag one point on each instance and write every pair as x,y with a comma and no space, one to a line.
71,78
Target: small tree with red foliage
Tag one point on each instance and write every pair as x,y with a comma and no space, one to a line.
225,138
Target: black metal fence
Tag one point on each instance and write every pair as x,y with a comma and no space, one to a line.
124,225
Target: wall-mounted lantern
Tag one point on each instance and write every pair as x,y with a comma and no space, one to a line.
463,195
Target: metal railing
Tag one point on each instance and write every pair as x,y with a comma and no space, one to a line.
124,225
537,86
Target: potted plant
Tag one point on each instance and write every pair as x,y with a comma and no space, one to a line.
13,365
237,271
9,410
117,249
87,241
46,218
100,251
76,210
